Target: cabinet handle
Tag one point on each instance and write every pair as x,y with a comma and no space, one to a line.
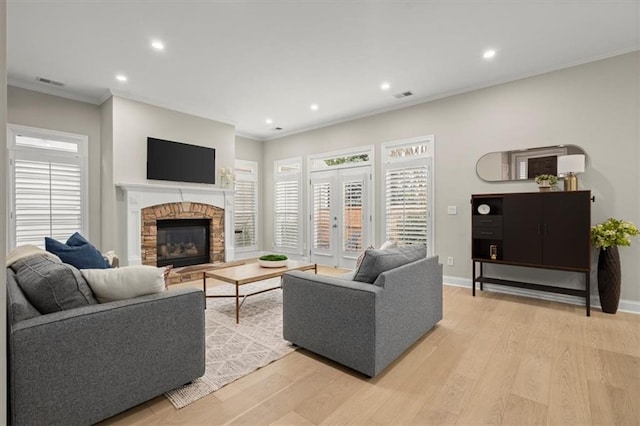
546,229
539,229
486,233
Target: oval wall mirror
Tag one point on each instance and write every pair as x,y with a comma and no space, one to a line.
523,164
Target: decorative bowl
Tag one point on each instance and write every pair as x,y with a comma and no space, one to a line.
272,263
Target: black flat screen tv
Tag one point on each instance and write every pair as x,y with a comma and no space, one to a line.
180,162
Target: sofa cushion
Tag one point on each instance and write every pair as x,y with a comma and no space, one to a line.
51,286
124,283
18,307
377,261
84,256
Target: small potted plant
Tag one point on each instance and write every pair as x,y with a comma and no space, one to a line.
273,260
607,236
546,182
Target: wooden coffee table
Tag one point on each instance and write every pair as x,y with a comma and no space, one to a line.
250,273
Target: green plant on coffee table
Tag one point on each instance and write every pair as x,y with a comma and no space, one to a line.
273,257
613,232
552,179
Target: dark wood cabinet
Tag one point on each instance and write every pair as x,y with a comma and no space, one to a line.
549,230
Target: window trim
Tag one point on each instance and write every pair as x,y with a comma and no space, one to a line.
252,175
289,176
429,159
44,154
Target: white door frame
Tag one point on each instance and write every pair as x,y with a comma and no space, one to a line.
316,166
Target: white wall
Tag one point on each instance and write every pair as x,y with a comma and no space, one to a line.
126,126
3,210
44,111
594,106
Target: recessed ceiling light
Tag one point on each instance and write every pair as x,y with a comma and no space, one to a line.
268,121
121,77
158,45
314,107
385,86
488,54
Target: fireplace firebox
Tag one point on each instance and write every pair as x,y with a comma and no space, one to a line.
183,242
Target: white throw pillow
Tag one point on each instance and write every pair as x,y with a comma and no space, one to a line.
124,283
388,245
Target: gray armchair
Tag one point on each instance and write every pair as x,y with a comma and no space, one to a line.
363,326
83,365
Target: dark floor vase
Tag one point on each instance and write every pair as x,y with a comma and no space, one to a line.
609,277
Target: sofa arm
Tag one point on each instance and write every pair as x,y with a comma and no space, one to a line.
332,317
83,365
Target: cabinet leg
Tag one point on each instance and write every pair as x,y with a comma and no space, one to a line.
587,276
482,275
473,278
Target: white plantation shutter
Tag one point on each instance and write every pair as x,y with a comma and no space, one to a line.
288,206
321,215
48,201
47,185
352,215
406,203
245,213
408,191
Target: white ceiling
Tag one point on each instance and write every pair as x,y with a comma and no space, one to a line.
241,62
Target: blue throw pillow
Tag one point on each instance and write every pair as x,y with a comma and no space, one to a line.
77,240
82,257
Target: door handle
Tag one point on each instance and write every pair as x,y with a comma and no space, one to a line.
334,226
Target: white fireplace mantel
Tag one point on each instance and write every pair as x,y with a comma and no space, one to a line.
138,196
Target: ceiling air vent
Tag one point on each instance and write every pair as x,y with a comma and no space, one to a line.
49,81
277,128
403,94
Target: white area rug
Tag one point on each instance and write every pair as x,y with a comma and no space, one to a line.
235,350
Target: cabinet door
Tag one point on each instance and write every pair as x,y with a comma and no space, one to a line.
566,229
522,227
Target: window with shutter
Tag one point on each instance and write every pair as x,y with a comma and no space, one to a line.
408,191
47,185
245,213
322,215
288,206
352,215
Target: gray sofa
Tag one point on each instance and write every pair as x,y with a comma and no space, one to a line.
82,365
361,325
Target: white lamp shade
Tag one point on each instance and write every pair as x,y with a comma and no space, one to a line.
570,164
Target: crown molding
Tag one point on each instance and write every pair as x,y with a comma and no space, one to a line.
60,92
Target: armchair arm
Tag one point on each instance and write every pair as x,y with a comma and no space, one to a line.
83,365
333,317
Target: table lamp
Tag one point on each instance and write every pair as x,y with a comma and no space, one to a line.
569,165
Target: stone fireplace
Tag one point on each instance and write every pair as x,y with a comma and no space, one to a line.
182,234
145,205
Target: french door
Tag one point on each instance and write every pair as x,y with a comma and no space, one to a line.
340,215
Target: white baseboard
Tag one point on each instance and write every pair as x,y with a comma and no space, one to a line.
625,305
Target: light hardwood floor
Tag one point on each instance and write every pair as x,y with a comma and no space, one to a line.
493,359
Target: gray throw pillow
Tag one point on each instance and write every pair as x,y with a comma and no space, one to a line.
18,306
52,286
377,261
